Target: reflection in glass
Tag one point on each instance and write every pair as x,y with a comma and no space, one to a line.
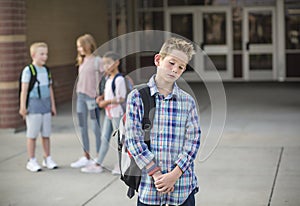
237,65
260,27
197,2
217,62
237,15
261,62
151,20
150,3
214,28
293,29
182,24
148,21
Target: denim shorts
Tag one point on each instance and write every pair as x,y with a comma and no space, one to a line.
38,123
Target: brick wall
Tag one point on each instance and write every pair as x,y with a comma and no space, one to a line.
64,77
12,59
23,22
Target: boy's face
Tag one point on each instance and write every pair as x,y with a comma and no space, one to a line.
109,65
40,56
171,67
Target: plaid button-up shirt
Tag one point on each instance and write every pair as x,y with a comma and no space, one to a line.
175,140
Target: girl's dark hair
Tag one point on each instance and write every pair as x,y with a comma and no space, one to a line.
114,56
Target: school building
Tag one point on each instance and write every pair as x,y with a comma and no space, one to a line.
247,40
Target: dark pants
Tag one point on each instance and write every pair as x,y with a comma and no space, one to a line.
190,201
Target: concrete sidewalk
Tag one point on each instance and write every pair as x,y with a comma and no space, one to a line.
255,164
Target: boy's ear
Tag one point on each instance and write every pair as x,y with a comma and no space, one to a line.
157,59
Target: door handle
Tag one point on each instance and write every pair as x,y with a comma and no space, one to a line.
248,46
202,45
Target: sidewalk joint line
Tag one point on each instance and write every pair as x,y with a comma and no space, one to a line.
12,156
100,191
276,174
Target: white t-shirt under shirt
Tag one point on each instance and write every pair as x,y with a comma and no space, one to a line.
114,110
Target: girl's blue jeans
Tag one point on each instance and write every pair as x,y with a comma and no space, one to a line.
86,106
109,125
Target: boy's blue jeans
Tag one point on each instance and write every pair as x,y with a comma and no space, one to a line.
86,106
109,125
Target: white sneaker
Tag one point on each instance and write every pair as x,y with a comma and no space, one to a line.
93,168
49,163
116,170
33,166
82,162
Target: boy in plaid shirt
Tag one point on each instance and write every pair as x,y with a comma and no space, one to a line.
168,166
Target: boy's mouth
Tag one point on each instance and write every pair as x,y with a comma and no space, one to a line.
172,76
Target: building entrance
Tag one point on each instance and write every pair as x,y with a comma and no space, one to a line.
259,44
210,28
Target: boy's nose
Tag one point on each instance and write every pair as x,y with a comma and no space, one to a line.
175,69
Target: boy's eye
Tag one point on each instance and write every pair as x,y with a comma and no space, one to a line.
172,63
181,67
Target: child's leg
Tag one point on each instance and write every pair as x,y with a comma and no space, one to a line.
31,143
82,113
105,138
33,124
46,146
46,132
94,113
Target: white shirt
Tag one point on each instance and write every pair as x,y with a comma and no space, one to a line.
114,110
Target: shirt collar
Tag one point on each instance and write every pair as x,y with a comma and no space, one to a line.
154,89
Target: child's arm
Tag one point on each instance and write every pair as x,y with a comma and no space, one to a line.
134,137
53,107
23,99
120,95
191,139
105,103
165,182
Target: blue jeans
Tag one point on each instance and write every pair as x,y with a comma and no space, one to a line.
190,201
109,125
86,106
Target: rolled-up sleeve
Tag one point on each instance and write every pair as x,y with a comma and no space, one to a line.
192,139
134,135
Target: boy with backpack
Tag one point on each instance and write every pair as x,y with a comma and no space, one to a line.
37,104
114,96
168,176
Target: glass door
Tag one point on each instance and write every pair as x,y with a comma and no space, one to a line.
182,21
215,39
210,29
259,43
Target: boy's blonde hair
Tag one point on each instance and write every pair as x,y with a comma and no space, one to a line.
89,45
174,43
37,45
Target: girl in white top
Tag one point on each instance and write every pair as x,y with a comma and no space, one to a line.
113,109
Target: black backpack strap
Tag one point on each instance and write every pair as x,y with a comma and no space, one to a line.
149,111
130,192
33,77
113,84
49,75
